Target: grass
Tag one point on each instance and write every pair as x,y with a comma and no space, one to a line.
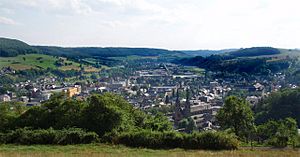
196,70
284,54
28,61
95,150
41,61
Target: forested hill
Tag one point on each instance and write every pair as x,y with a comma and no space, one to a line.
257,60
254,51
106,52
205,53
12,48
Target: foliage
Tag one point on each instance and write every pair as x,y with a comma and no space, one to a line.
279,133
279,105
160,140
188,124
95,52
11,48
28,136
237,115
101,114
254,51
231,63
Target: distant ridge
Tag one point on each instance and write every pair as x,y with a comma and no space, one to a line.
205,53
13,47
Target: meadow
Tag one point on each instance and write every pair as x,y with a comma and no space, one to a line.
104,150
41,61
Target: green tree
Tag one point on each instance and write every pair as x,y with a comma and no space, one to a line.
159,122
106,113
279,133
189,125
236,115
279,105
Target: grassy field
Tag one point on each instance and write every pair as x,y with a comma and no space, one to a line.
41,61
284,54
102,150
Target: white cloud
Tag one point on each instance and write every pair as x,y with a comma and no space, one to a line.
7,21
175,24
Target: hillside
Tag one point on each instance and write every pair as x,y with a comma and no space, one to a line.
254,51
257,60
12,47
98,52
43,62
205,53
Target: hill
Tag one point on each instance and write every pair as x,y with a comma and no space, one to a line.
12,48
98,52
254,51
43,62
205,53
257,60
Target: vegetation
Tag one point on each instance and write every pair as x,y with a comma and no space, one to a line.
96,150
236,115
112,118
252,61
94,52
279,105
205,140
12,48
27,136
279,133
255,51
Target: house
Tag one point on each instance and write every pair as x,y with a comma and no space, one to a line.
4,98
71,91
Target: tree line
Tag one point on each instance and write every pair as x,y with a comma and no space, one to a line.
273,122
101,118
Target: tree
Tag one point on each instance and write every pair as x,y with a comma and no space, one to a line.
189,125
279,133
279,105
107,113
236,115
159,122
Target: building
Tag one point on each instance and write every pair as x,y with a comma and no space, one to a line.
4,98
71,91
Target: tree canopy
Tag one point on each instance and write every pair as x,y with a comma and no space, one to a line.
236,115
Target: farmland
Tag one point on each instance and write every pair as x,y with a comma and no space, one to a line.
41,61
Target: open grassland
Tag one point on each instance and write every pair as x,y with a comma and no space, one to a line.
284,54
102,150
41,61
28,61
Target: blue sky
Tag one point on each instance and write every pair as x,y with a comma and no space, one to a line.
171,24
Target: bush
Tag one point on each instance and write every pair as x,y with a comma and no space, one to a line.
160,140
210,140
75,136
27,136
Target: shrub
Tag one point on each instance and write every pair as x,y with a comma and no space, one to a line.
2,138
159,140
210,140
26,136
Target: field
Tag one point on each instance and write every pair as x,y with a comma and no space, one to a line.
282,56
40,61
102,150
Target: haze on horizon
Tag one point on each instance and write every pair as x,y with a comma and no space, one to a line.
170,24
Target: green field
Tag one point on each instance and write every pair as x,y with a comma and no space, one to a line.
284,54
40,61
102,150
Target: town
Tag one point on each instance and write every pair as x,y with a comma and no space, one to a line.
180,92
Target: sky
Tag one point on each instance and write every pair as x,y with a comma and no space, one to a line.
169,24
